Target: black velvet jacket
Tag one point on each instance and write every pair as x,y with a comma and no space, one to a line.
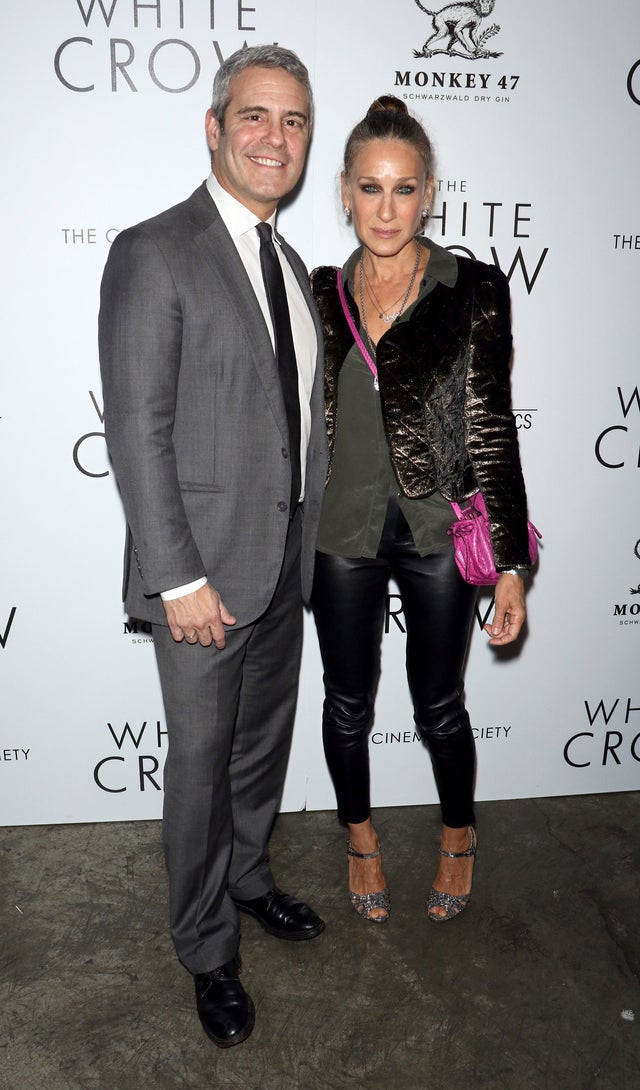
445,396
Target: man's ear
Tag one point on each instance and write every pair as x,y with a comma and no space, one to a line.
213,129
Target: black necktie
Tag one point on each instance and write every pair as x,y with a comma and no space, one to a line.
284,349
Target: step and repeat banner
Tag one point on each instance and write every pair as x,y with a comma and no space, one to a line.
534,110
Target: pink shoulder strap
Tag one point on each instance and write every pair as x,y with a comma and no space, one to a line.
352,326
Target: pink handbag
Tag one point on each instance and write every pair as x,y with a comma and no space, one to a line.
472,543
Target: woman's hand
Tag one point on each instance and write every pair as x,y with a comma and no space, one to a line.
510,611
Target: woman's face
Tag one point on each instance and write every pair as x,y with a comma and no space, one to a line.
386,190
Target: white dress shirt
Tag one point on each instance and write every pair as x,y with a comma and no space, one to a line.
241,224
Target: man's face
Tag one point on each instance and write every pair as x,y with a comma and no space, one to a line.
259,151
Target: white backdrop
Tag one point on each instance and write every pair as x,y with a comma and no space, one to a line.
538,144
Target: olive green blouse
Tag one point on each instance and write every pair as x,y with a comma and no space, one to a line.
362,477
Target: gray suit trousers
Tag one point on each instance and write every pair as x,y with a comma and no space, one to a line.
229,719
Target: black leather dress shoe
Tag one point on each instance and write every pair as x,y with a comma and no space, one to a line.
282,916
226,1011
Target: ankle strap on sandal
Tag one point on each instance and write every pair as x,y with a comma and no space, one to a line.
471,850
364,855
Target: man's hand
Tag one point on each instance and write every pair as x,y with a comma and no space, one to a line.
199,617
510,610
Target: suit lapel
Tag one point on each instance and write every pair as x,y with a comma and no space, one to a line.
302,277
218,250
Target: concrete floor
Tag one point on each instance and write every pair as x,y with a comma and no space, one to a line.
534,987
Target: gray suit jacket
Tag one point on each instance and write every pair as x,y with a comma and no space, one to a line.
194,416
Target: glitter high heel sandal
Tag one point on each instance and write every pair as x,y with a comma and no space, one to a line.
453,905
364,903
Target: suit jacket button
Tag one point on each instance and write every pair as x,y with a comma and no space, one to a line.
284,452
282,506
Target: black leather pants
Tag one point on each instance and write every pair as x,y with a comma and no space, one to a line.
349,601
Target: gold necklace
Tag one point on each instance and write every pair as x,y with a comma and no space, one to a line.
386,315
374,299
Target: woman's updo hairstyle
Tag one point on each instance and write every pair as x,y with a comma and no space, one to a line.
388,119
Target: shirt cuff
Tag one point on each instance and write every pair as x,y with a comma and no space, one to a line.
179,592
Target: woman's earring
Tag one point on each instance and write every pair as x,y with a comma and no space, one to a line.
423,215
347,212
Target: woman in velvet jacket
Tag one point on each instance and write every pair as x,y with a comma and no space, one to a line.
417,416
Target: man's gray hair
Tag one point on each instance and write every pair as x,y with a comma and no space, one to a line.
257,56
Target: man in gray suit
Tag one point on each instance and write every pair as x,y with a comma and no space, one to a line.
209,349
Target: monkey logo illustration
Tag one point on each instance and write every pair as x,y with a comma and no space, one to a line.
636,552
456,30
